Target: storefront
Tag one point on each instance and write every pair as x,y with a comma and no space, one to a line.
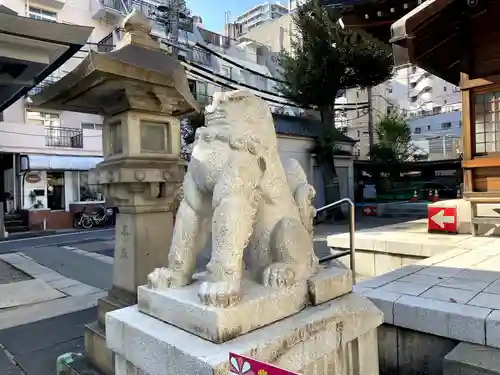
53,187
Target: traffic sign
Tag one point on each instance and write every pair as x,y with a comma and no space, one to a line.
370,211
242,365
442,219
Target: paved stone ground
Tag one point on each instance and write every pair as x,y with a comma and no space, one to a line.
79,265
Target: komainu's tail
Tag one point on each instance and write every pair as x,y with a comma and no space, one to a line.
303,193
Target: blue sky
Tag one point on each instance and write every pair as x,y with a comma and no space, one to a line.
212,11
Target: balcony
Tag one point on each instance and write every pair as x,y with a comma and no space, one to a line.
110,10
63,137
30,138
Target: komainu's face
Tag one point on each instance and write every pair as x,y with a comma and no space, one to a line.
240,110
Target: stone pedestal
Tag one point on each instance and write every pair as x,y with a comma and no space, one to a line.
170,332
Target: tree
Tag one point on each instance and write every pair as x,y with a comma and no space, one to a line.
394,146
394,141
326,58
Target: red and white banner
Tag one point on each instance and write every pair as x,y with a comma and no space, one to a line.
242,365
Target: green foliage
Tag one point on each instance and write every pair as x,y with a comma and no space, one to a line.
326,58
394,141
327,146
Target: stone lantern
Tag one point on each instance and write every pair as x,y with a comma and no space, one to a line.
142,93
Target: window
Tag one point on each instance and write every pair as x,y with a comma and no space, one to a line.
412,85
83,191
418,130
91,126
446,125
413,69
444,88
357,94
428,127
49,119
226,71
43,15
487,122
413,99
358,133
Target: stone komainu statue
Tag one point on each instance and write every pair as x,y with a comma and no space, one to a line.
258,210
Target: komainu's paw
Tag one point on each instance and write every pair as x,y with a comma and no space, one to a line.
219,293
164,278
278,275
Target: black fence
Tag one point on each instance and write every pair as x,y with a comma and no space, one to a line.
63,137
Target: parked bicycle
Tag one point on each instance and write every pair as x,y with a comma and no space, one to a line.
94,215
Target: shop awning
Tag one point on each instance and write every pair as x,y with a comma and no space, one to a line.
30,50
58,162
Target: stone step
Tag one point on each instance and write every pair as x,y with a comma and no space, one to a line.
106,305
470,359
97,351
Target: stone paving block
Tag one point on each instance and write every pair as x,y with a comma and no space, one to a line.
465,284
405,288
31,268
493,288
50,277
443,272
80,290
476,274
470,359
26,292
402,246
360,289
462,261
13,258
442,257
491,264
488,300
384,301
446,319
493,329
62,283
392,276
428,280
440,293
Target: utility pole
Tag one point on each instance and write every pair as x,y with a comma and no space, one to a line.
370,118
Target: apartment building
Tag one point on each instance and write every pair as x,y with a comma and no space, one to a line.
260,14
55,149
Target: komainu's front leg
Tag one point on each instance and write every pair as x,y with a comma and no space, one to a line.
191,231
293,253
235,202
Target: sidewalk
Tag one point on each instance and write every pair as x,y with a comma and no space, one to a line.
42,314
48,232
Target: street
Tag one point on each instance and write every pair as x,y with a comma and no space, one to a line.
78,266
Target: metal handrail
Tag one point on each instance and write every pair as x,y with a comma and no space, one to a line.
352,230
